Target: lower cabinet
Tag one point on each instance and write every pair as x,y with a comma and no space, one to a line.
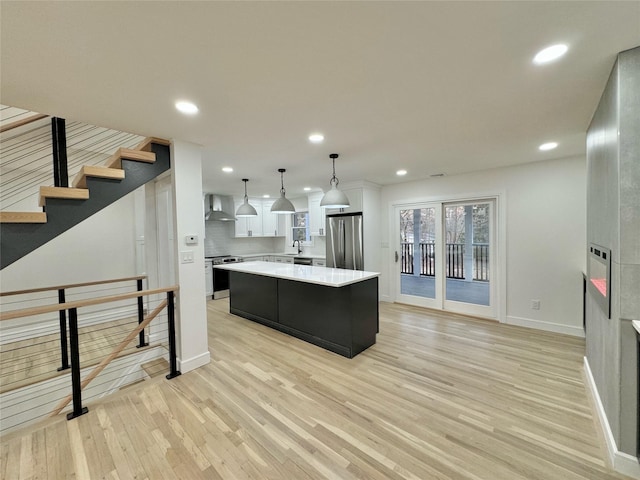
282,259
257,258
343,320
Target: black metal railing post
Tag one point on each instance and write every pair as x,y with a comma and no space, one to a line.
141,342
76,388
64,349
59,144
173,365
481,258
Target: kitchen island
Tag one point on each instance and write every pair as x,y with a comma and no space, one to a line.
333,308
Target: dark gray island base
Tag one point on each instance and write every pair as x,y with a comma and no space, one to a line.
343,319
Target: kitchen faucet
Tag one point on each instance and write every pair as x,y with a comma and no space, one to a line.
299,246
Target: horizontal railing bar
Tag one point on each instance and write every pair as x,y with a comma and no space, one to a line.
24,121
27,312
73,285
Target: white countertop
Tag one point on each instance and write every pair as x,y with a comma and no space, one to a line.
330,277
636,325
304,255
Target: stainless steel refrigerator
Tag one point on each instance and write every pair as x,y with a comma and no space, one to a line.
344,241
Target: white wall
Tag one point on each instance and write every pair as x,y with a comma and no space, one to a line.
544,227
102,247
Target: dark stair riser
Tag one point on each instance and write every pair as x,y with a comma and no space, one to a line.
19,239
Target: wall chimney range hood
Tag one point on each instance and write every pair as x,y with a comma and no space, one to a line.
216,213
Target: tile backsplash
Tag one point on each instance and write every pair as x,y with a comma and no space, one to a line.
220,240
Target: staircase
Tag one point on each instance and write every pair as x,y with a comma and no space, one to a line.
93,188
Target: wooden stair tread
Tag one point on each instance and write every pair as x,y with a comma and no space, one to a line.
145,145
23,217
156,367
62,192
115,161
80,180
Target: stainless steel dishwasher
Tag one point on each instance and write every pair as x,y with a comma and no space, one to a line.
302,261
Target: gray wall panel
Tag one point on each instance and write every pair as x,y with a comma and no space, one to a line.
613,221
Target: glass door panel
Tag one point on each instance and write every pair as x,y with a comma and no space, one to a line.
445,256
467,230
418,254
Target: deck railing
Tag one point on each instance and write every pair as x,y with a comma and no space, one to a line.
454,260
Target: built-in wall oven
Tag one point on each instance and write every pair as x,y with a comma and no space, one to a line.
221,277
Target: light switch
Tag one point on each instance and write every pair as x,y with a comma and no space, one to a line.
186,256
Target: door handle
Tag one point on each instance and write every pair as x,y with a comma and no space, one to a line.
396,256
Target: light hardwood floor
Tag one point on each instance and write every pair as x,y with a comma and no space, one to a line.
438,397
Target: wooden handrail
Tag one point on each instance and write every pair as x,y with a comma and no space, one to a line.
24,121
27,312
101,366
73,285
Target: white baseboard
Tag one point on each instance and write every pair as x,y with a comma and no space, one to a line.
547,326
386,298
622,462
194,362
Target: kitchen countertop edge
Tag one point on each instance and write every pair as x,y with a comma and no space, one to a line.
329,277
303,255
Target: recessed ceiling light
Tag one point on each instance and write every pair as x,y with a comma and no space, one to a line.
266,196
187,107
227,169
316,138
548,146
550,53
401,172
307,189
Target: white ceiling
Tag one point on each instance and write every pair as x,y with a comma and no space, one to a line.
432,87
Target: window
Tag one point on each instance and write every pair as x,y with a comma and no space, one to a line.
300,227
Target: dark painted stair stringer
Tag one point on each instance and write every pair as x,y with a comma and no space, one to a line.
19,239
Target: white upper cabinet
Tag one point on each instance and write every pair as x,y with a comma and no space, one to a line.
355,199
248,226
271,222
316,214
266,224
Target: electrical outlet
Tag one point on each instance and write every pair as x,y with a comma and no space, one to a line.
535,304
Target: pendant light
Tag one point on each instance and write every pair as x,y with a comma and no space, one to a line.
282,205
334,198
246,209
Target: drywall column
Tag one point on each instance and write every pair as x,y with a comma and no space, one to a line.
613,221
191,308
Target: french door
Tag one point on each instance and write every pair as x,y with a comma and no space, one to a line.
445,256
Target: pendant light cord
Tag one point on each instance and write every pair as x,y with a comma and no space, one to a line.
246,197
282,190
334,179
